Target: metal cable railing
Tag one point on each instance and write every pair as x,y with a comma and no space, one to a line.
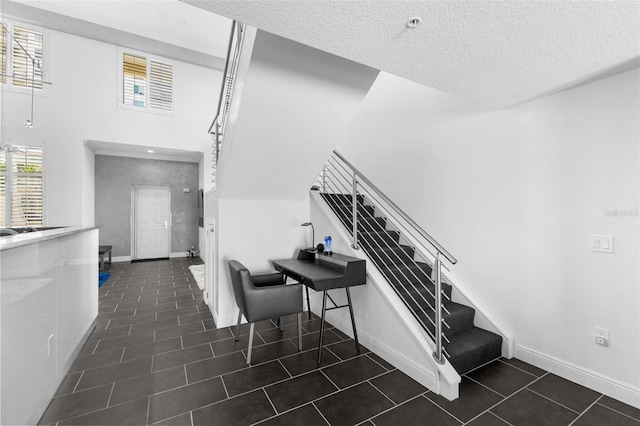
416,283
218,125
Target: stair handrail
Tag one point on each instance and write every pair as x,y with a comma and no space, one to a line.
224,77
436,273
398,210
226,91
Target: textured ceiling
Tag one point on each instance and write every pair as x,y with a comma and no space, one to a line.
497,53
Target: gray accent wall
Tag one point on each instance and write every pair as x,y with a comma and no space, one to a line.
114,178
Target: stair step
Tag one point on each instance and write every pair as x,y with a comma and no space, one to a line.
426,290
342,198
472,348
345,211
366,224
413,272
378,240
388,257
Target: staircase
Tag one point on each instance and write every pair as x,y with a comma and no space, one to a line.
464,345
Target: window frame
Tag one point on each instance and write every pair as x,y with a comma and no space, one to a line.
8,207
8,83
149,58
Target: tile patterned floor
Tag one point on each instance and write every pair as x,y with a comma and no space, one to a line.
156,357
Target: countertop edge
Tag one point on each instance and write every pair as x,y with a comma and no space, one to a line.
20,240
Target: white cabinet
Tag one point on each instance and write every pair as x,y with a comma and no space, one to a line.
48,305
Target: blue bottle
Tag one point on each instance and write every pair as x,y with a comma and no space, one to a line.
327,244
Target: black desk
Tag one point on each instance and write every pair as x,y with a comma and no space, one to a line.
322,273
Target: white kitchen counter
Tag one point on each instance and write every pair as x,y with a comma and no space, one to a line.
48,308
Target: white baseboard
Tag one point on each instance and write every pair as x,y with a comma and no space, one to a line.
128,258
591,379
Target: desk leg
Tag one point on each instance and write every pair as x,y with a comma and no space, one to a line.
353,321
324,308
308,304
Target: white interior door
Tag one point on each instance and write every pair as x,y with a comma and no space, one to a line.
152,222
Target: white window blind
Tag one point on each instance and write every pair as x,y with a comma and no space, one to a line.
161,86
27,45
146,83
21,187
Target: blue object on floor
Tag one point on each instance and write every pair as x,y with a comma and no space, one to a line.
102,277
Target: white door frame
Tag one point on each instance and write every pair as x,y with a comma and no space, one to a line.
134,194
211,287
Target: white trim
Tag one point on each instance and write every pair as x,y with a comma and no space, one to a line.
173,255
611,387
121,259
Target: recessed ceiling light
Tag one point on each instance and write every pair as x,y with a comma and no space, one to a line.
413,22
150,151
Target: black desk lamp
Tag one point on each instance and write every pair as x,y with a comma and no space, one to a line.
313,233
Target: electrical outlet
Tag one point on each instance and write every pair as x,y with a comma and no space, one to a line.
602,336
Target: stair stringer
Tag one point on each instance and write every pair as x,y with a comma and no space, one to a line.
419,364
459,293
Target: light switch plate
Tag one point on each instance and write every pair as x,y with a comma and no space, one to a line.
602,243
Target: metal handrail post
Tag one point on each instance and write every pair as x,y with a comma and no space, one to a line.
438,320
324,179
355,213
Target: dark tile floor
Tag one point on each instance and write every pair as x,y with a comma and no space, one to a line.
156,357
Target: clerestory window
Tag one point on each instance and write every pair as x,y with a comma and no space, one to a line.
21,56
147,83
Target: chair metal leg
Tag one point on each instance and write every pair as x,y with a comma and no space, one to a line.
250,343
238,326
299,331
281,323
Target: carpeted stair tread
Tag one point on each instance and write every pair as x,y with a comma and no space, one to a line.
390,256
391,238
473,347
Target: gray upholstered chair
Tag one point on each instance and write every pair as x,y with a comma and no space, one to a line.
262,297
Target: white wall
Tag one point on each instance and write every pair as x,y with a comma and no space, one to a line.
294,102
82,104
254,232
514,195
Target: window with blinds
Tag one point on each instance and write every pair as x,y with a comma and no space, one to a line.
140,72
21,55
21,195
27,48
